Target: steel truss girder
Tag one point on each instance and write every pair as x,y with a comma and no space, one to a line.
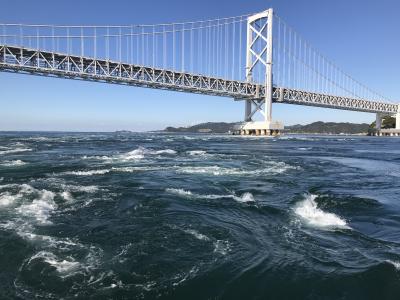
36,62
31,61
291,96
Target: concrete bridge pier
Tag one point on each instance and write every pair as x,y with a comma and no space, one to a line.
260,128
391,131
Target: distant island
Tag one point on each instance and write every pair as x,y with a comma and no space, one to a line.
313,128
123,131
209,127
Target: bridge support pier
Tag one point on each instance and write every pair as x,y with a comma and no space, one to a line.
260,128
398,117
378,121
387,131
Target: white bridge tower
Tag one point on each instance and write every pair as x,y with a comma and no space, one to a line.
259,58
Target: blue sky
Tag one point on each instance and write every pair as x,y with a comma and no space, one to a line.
360,36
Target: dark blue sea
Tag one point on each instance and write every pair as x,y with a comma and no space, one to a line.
173,216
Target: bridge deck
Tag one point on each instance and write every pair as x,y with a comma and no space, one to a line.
37,62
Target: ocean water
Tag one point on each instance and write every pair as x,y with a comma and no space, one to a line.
163,216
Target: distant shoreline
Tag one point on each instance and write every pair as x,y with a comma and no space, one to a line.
315,128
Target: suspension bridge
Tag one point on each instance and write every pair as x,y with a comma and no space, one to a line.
255,58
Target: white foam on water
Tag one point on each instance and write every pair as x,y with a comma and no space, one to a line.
189,138
19,144
222,247
41,139
245,198
46,241
67,196
181,192
40,208
304,148
185,276
140,153
57,252
103,157
197,234
88,173
136,154
292,137
165,151
86,189
62,266
12,163
197,153
278,167
212,170
396,264
7,199
16,150
273,168
54,251
60,183
134,169
312,215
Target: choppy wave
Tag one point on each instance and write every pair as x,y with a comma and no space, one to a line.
81,188
222,247
274,168
16,150
165,151
308,210
45,139
134,155
244,198
7,198
135,169
396,264
197,234
58,183
67,196
62,266
40,208
12,163
186,276
97,157
33,207
88,173
199,153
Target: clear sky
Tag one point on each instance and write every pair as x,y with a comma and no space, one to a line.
361,36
